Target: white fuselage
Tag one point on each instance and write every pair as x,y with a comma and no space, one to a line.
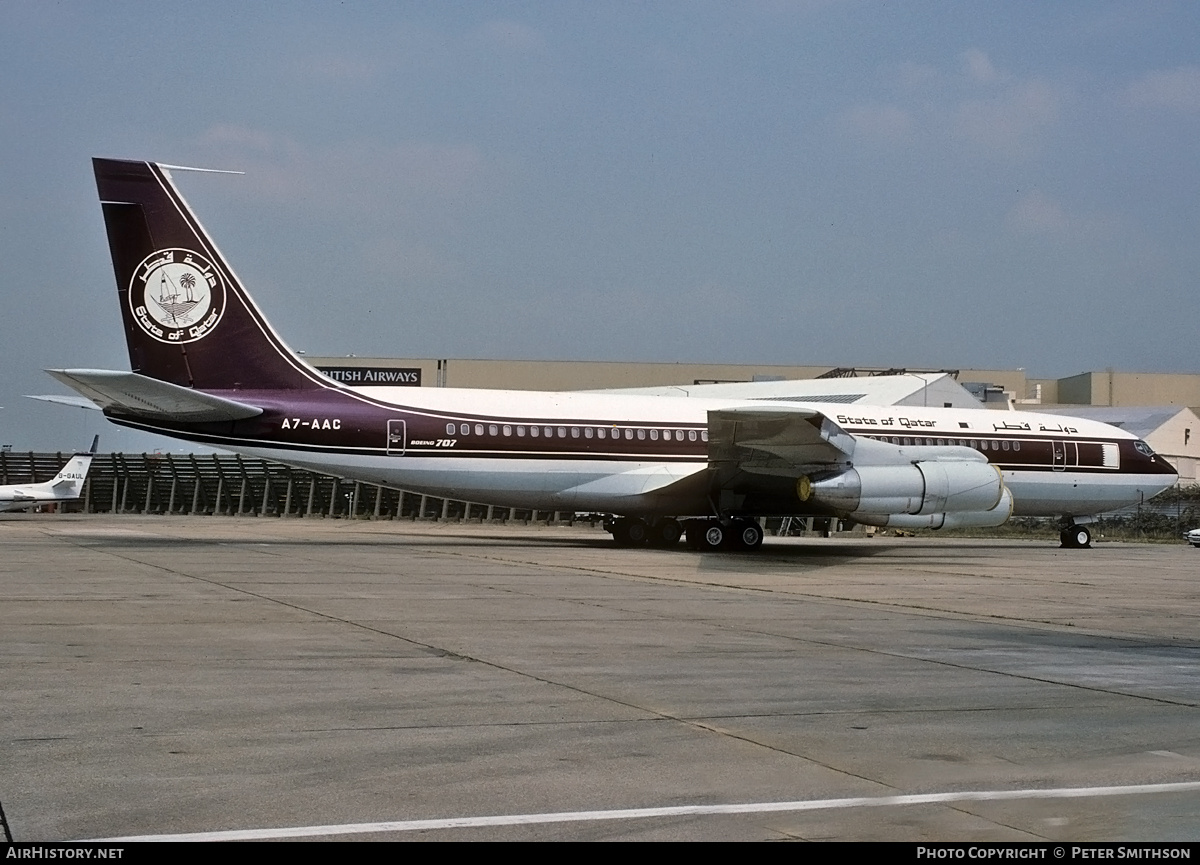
479,468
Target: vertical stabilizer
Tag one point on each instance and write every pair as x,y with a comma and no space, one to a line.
68,483
188,320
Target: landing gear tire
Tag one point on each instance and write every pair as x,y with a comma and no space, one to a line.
1076,538
746,535
707,535
666,534
629,533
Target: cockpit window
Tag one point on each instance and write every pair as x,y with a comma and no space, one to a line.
1143,448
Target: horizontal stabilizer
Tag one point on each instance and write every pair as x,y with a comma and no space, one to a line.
77,401
128,393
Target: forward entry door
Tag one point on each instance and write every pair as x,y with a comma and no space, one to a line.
395,438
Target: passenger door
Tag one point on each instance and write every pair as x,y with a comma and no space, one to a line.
396,438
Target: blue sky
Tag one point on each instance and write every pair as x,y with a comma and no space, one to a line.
948,184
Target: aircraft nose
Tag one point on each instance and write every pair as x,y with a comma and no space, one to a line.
1162,467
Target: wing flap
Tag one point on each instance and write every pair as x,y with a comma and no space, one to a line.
775,442
132,394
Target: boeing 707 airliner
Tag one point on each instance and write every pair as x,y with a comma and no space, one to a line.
208,367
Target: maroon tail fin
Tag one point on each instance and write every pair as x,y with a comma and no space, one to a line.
188,320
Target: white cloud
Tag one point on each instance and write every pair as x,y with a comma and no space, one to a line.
988,110
1037,214
231,136
354,169
978,67
1011,123
1177,89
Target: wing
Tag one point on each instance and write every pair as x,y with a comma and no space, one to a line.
907,389
780,442
132,394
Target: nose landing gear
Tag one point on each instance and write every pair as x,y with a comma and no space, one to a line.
1075,537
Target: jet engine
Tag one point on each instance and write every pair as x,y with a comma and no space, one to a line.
921,494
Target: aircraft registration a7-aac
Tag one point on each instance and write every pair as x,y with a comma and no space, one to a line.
208,367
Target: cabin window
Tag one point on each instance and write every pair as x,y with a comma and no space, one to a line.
678,435
520,430
507,430
941,441
641,435
493,429
653,435
1016,446
908,441
535,431
449,429
562,432
1004,444
465,429
587,432
478,429
600,432
574,432
628,433
691,435
703,435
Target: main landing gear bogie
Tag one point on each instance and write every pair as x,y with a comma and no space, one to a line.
714,535
705,535
635,533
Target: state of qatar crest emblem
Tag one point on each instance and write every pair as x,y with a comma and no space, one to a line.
176,296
